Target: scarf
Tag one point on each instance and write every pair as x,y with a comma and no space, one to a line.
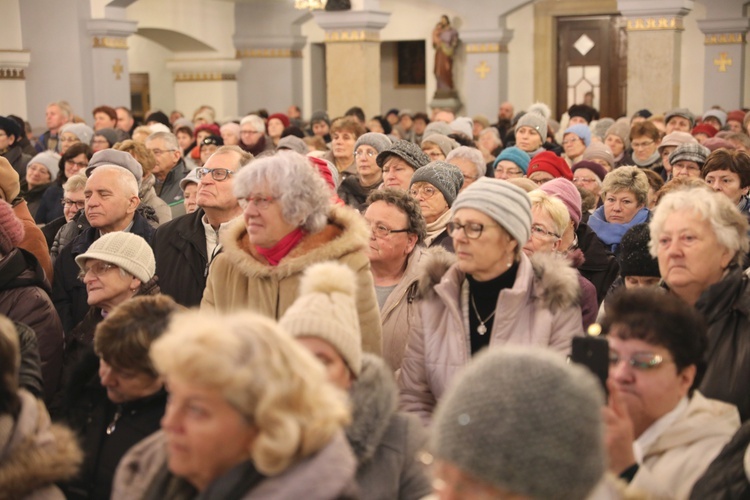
611,233
649,161
435,228
534,153
281,249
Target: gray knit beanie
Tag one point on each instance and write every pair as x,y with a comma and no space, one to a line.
535,121
601,127
80,130
690,152
49,160
379,142
683,112
127,251
441,128
407,151
535,430
293,143
447,178
445,143
503,202
320,116
622,130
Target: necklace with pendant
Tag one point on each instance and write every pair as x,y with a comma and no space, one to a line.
113,424
481,329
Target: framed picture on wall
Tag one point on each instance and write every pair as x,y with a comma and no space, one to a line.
410,64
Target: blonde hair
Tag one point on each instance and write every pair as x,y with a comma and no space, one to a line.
627,179
140,152
264,374
554,207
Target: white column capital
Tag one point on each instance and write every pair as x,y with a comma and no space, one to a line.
352,25
651,8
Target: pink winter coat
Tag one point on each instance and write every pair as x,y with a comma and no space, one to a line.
540,310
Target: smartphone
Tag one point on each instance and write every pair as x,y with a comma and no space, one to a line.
592,352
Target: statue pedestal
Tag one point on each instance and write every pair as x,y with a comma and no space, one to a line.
446,99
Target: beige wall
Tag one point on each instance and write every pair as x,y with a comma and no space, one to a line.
691,63
521,57
145,56
391,96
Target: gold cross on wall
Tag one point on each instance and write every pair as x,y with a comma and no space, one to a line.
117,69
722,62
482,70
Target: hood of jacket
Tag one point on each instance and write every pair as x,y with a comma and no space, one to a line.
21,269
555,282
345,233
374,399
35,453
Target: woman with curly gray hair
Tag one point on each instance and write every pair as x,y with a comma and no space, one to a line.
288,224
700,240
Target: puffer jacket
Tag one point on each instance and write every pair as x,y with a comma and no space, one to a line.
725,478
541,309
385,441
240,278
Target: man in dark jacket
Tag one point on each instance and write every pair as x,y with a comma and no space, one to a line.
169,170
185,247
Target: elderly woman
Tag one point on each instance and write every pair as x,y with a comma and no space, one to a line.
399,162
230,132
576,139
116,398
624,197
645,139
40,174
75,159
438,146
489,144
385,441
492,296
344,134
471,163
688,160
287,225
435,186
249,415
589,176
617,138
355,188
728,172
511,163
73,133
700,239
146,192
104,138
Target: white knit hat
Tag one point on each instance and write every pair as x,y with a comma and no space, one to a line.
326,309
128,251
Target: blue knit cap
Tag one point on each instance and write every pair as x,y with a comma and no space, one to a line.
515,155
581,131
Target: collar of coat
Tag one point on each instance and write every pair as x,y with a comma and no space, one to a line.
346,232
555,282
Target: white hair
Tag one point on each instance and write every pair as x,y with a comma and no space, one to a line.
256,121
168,137
125,178
471,154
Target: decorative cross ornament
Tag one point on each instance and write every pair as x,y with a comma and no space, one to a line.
482,70
117,69
722,62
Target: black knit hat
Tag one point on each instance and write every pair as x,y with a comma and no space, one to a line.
407,151
10,127
160,117
583,111
635,259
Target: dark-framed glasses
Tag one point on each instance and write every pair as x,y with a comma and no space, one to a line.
67,202
472,230
217,174
79,164
638,360
381,231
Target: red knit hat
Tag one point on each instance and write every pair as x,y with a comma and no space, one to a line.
737,115
282,117
704,128
211,127
11,229
549,162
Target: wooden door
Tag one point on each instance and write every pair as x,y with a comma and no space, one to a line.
592,57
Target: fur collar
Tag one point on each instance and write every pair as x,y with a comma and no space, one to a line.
374,399
345,233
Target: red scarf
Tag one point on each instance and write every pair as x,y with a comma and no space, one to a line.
281,249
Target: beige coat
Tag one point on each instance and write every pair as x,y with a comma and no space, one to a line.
239,278
540,310
681,455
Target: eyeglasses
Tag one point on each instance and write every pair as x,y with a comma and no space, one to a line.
97,269
640,360
100,141
369,153
427,191
641,145
472,230
583,180
689,168
69,139
80,205
248,132
260,202
539,232
217,174
78,164
380,231
158,152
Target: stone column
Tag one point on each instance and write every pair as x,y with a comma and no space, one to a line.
109,61
486,70
13,62
725,62
352,41
206,81
654,50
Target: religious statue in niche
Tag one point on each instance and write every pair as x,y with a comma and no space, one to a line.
444,40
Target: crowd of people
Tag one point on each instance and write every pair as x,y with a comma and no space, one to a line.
375,307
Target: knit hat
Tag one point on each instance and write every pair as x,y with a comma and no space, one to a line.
704,128
326,309
621,130
212,128
676,139
643,113
379,142
49,160
11,229
407,151
535,121
581,131
683,112
516,155
690,152
506,204
601,127
281,117
185,123
635,259
441,128
736,116
715,143
568,193
159,127
212,140
445,143
108,133
583,111
9,183
718,114
320,116
10,127
598,170
160,117
118,159
190,178
536,430
127,251
231,127
294,143
599,151
463,125
80,130
549,162
447,178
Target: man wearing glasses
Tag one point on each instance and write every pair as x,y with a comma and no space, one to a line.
185,247
661,433
170,169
